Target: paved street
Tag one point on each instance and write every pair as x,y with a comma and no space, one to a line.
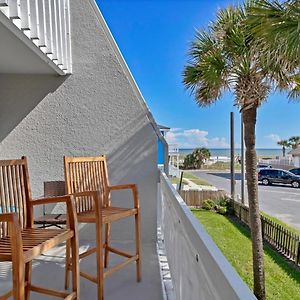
282,202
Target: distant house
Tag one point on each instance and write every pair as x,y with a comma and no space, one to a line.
162,152
296,156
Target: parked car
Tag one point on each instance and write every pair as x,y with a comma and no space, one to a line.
270,176
295,171
263,166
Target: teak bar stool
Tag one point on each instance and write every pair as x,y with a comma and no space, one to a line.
84,174
20,242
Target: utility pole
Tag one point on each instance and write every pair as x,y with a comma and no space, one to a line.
242,160
232,173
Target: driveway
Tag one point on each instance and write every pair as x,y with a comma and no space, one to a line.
282,202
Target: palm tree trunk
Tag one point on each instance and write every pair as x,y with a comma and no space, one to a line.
249,117
283,151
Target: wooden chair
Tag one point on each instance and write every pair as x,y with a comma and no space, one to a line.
90,174
20,242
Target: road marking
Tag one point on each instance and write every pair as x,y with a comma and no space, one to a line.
281,192
290,199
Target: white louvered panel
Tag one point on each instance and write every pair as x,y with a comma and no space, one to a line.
34,20
54,31
48,22
64,34
69,48
60,34
25,15
42,25
14,9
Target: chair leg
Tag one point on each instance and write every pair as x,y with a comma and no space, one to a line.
18,270
99,254
138,245
28,275
68,261
75,266
107,243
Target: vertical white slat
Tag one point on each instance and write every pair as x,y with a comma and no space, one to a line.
4,7
3,3
64,31
69,44
34,20
25,15
42,25
48,22
14,9
61,56
54,31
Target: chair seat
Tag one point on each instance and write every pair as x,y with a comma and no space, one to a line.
35,242
109,214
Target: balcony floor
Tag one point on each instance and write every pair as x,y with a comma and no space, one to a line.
48,271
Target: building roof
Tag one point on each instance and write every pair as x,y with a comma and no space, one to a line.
161,127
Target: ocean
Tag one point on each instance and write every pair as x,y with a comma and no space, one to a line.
226,152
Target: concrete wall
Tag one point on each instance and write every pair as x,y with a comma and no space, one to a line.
96,110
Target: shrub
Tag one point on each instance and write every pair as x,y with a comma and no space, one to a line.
222,210
208,204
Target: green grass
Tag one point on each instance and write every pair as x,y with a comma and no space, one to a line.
195,179
284,225
221,166
282,279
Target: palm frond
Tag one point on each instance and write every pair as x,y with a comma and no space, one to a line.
277,25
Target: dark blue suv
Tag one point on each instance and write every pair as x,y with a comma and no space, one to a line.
278,176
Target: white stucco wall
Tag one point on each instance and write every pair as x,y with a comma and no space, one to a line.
96,110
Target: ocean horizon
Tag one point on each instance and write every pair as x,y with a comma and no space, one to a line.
226,151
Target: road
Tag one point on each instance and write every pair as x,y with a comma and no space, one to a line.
282,202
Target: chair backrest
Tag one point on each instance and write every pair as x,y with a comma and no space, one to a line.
86,174
15,192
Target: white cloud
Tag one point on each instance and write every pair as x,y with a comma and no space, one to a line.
273,137
192,138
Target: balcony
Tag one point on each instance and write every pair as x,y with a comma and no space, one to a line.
35,37
198,269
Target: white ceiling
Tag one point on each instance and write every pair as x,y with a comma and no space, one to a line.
19,55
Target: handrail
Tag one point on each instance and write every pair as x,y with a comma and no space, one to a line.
197,265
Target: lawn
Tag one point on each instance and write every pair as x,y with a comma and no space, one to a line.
284,225
282,279
191,177
221,166
195,179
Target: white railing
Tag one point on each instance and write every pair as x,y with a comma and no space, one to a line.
47,24
198,269
173,148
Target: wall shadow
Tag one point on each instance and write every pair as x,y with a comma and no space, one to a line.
20,94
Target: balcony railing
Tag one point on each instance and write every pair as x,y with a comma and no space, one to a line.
198,268
43,25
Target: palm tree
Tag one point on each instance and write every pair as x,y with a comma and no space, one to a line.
226,57
294,141
276,25
196,159
200,156
285,144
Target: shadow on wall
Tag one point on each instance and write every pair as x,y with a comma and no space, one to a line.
20,94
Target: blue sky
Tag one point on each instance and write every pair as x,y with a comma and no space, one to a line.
154,37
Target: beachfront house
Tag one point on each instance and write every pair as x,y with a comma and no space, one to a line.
65,89
295,156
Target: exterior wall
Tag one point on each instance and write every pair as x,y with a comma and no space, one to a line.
296,160
96,110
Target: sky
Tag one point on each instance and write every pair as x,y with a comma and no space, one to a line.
154,38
